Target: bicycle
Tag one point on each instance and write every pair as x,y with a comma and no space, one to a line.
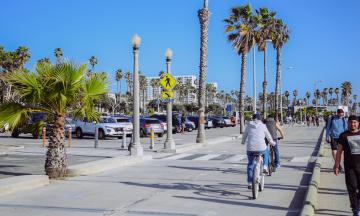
272,166
258,182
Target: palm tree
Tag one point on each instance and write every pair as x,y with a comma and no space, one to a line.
287,94
317,94
93,62
308,95
210,93
280,36
295,93
143,87
58,54
53,89
337,91
346,88
325,96
44,60
154,83
203,15
331,91
241,28
128,79
118,78
265,20
161,74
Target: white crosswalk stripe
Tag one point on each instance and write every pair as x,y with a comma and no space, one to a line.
175,157
235,158
207,157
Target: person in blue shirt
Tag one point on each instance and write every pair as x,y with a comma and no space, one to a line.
335,126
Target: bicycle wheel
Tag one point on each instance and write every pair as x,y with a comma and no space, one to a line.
255,182
262,182
272,160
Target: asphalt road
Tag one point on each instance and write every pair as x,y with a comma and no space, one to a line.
208,181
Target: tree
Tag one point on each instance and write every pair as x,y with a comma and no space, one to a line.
118,78
325,96
210,93
154,83
295,93
93,62
44,60
280,36
287,94
317,94
331,91
308,95
143,87
53,89
204,15
161,74
128,79
346,89
241,28
265,20
337,91
58,54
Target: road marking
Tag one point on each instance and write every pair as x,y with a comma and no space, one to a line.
175,157
222,157
191,157
236,158
207,157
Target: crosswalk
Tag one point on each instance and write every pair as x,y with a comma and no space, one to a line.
231,158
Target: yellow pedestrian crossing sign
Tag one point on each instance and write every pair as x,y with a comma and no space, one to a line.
167,94
167,81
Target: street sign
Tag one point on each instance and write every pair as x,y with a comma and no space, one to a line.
167,81
167,94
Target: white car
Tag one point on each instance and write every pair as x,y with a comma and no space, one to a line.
107,127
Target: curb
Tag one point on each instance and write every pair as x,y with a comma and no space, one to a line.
104,165
310,202
20,183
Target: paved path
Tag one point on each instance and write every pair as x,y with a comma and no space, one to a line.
206,182
332,197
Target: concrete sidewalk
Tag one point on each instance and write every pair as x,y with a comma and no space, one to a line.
332,195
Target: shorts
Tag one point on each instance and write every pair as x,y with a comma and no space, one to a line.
334,143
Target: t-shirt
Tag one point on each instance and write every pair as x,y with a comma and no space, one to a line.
351,146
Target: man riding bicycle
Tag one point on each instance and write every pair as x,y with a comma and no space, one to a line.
273,127
254,138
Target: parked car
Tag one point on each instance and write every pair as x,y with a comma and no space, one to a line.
34,125
163,118
195,120
229,122
218,121
107,127
70,123
146,124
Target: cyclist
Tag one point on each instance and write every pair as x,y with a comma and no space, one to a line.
274,126
254,138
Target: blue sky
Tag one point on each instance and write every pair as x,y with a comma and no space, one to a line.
324,43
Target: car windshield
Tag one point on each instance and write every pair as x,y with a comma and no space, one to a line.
120,120
107,120
152,121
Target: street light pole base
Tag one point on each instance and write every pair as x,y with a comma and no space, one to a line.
169,144
136,150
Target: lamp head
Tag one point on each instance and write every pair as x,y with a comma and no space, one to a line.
136,41
168,53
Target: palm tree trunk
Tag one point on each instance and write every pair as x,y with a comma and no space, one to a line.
278,65
56,160
242,91
120,93
264,86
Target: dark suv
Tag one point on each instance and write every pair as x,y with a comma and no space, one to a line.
34,125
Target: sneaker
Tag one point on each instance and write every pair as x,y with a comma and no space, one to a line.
277,165
249,186
266,170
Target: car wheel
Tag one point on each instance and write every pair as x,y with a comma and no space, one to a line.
101,134
15,133
160,134
190,129
79,133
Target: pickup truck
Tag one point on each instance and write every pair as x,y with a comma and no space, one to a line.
107,127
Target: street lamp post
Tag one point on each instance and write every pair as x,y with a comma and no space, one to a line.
316,98
169,144
136,148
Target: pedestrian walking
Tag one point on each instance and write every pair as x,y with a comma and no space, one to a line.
335,126
183,123
349,143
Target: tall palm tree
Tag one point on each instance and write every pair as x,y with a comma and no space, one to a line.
210,93
44,60
325,94
241,28
317,94
265,20
118,78
53,89
204,15
295,93
280,36
287,94
128,78
93,62
331,91
143,87
346,88
58,54
337,91
308,95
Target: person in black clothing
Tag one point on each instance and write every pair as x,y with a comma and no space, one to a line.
349,142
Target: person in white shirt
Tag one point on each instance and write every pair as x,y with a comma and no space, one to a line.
254,138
